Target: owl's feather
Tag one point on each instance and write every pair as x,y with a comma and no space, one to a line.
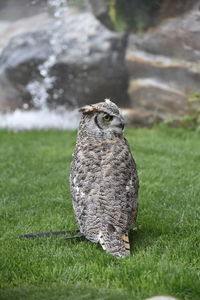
114,243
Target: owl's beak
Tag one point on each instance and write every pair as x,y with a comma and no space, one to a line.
122,123
118,122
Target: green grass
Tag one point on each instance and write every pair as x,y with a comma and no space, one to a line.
35,196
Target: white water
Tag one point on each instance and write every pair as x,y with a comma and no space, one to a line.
39,119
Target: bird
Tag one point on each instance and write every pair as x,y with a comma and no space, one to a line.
103,179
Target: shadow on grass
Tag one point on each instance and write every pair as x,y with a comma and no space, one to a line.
59,292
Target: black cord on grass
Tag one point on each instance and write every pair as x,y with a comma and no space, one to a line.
48,234
73,237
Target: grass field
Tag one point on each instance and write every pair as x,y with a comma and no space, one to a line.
35,196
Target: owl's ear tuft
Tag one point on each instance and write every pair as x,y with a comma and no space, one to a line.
88,109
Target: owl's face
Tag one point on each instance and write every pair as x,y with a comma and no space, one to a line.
107,121
103,118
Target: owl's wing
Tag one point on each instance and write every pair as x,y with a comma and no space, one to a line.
119,195
120,186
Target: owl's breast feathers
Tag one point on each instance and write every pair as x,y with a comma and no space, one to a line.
104,186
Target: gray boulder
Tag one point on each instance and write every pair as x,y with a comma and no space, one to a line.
164,65
101,11
11,10
74,62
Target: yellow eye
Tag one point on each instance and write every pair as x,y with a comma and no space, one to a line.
107,118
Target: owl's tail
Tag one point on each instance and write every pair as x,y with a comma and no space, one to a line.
115,244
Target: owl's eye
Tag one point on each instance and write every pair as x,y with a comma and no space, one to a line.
108,118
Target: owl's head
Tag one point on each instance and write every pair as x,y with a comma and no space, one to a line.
103,118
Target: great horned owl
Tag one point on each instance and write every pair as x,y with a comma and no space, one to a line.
103,179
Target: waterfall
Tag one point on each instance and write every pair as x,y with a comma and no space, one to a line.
39,88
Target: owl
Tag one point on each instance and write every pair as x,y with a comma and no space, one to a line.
103,179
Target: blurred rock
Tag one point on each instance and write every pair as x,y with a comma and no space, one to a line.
11,10
164,65
89,64
101,11
9,30
171,8
140,118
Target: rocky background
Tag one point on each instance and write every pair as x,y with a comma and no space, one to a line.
146,59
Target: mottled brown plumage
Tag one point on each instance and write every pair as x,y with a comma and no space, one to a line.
104,182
